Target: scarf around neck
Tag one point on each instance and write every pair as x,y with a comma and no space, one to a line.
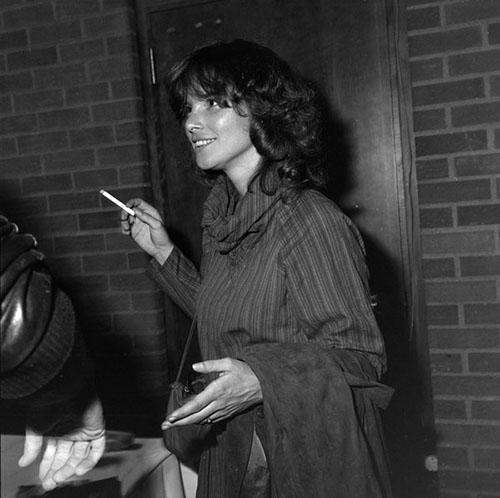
232,221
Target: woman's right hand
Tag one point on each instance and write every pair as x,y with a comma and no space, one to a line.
147,229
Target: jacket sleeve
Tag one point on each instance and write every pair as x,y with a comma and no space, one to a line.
179,278
327,282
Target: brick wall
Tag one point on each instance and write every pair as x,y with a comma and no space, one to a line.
72,123
455,69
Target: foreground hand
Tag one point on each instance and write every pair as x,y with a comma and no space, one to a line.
71,454
147,229
236,389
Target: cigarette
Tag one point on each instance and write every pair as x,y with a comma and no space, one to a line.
117,202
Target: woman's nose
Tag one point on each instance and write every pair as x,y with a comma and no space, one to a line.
193,123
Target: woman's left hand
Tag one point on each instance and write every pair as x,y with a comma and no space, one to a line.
236,389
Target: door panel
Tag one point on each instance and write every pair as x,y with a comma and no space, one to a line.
345,48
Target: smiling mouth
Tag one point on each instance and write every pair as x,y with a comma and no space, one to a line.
198,144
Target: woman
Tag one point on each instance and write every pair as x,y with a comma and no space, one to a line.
281,298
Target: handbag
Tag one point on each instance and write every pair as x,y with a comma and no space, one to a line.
186,442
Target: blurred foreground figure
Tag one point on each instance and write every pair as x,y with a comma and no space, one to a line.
44,366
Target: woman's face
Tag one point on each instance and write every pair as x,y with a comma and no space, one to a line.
219,136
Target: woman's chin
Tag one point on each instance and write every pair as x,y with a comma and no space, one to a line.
206,166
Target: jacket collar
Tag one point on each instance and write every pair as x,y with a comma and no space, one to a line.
233,221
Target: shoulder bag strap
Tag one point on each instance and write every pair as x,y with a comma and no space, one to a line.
186,349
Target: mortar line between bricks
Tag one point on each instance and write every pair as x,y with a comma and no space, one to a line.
447,28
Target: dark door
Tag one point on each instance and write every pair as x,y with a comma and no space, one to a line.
351,50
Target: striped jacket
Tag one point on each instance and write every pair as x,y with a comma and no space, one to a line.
275,271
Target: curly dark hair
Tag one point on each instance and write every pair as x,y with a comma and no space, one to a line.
285,115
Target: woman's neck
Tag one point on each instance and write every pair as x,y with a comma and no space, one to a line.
241,177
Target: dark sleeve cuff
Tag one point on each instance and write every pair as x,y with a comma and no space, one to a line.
59,404
48,357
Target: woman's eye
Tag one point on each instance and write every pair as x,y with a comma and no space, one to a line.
213,103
